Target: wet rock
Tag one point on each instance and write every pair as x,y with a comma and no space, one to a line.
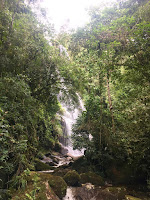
64,150
86,193
68,158
72,178
47,160
56,160
91,177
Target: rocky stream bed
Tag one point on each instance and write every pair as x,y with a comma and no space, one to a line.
61,177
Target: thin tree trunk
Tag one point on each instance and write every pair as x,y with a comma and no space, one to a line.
12,22
110,102
101,103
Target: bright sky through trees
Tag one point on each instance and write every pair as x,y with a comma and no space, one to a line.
70,12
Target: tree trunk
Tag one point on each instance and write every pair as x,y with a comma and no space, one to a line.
110,102
101,113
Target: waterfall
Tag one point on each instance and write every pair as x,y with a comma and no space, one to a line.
67,120
70,115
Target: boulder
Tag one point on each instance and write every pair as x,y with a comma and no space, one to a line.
64,150
72,178
58,185
89,193
92,178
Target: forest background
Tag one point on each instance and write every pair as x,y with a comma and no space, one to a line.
109,67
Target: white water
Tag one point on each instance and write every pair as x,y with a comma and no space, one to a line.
69,118
70,115
69,194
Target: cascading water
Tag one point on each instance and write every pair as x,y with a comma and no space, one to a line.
69,115
68,119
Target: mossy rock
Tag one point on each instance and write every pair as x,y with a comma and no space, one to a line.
119,192
40,166
42,188
58,185
60,172
40,194
72,178
128,197
92,178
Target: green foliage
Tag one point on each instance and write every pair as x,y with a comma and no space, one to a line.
29,86
20,182
32,195
112,55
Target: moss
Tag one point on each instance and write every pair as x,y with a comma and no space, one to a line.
91,177
58,185
40,166
72,178
128,197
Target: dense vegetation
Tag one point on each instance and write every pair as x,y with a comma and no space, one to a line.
111,63
109,66
29,86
